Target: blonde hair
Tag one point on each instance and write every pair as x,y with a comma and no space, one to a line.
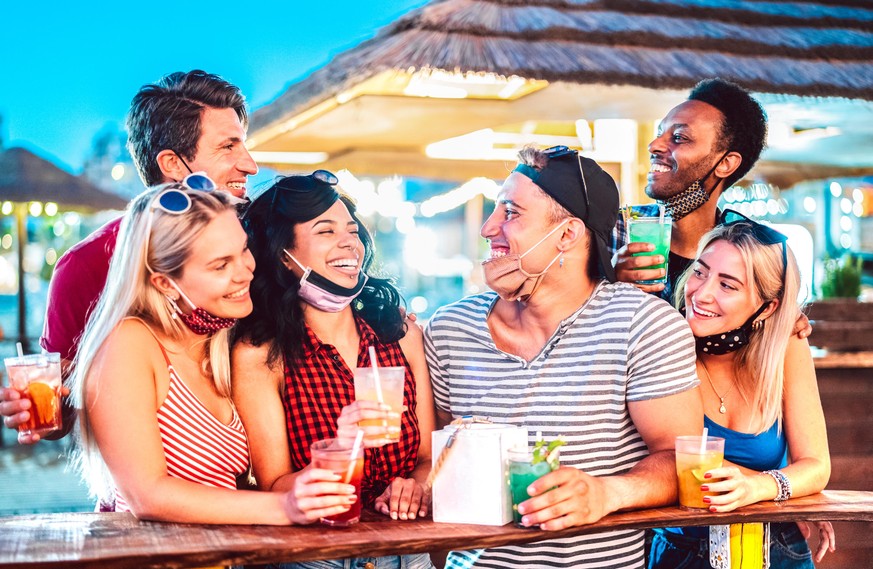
130,293
760,365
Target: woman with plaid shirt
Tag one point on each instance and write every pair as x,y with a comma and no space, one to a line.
316,315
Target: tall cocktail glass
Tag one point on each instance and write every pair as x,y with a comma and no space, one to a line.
341,457
654,230
523,470
38,378
694,457
391,383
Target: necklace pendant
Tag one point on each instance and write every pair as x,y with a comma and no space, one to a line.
722,409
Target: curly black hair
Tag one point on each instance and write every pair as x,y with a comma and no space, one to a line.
277,318
744,128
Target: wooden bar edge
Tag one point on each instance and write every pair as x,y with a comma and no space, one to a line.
119,540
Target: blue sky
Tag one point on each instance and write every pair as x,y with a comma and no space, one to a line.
68,69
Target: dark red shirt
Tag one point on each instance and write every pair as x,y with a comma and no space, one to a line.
77,283
319,386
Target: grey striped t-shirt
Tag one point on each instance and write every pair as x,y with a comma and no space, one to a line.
622,345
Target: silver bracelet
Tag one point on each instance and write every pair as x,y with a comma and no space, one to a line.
782,483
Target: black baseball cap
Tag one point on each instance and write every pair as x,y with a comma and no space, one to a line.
584,189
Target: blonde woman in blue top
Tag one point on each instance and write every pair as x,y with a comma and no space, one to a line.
758,387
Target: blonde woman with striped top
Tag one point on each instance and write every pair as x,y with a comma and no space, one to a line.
158,434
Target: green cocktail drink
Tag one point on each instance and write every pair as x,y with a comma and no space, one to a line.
521,475
526,467
652,230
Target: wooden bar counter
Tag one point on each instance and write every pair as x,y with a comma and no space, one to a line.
119,540
845,382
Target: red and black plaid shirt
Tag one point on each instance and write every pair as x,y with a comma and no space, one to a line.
321,384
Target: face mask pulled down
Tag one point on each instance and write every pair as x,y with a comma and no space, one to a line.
198,320
324,294
691,198
506,275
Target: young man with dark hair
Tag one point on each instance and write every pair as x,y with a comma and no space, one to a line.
559,347
703,146
184,123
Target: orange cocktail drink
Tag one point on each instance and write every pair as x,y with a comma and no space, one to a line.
37,377
696,456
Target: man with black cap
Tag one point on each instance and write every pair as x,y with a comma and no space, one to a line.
563,350
703,146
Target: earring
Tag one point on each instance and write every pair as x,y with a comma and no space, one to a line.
758,325
174,308
561,262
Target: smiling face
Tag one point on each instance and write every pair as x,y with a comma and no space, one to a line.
330,245
520,219
684,150
217,273
718,296
221,151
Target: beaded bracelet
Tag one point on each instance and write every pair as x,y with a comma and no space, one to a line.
782,483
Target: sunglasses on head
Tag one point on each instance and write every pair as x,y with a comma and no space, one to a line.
175,200
764,234
322,176
562,151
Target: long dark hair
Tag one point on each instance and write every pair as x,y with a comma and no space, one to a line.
277,318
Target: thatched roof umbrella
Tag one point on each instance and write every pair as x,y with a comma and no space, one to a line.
25,177
602,58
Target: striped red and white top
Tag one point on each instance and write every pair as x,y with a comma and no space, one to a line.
197,446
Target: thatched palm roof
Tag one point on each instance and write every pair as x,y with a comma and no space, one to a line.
24,177
802,48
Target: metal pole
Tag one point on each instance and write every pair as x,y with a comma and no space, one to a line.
21,220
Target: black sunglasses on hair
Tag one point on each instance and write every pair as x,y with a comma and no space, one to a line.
763,233
323,176
560,152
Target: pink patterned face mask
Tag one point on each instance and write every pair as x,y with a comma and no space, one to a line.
198,321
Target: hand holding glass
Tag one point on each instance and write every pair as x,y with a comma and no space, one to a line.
525,468
654,230
345,459
38,378
391,383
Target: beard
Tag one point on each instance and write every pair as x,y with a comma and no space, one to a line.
678,182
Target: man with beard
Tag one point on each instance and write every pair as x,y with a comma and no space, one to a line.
703,146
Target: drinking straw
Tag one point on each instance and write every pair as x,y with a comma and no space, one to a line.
376,381
356,446
661,213
703,440
20,349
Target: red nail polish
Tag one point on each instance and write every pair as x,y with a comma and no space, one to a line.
704,488
713,509
707,475
706,500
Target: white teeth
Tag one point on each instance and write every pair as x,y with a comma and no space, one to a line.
706,313
495,254
238,293
353,263
659,168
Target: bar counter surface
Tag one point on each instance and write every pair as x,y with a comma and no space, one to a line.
119,540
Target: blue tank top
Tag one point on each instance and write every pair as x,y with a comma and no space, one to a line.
766,451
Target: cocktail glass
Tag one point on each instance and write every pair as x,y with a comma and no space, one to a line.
391,383
696,456
655,230
343,458
523,471
38,378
